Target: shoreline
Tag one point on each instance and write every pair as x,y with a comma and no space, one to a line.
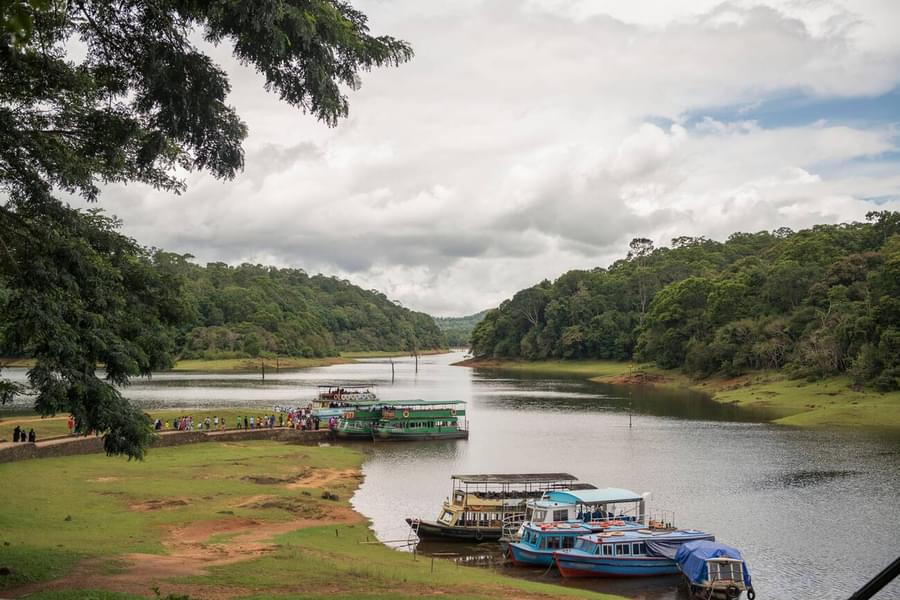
830,402
221,520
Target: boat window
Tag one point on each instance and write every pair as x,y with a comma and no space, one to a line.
568,541
553,542
543,542
623,549
561,515
540,515
637,548
607,550
447,516
583,545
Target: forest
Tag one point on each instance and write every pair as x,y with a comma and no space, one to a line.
254,310
458,330
817,302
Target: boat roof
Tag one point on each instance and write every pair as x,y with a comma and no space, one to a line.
351,386
559,526
596,496
515,477
419,402
629,534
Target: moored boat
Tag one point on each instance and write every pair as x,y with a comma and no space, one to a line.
417,420
626,553
539,541
714,571
479,505
332,399
357,422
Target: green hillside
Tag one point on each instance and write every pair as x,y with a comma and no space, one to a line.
815,303
458,330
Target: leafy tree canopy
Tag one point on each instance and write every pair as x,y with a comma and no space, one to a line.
93,92
816,302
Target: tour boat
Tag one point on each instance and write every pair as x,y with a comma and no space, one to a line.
480,505
540,540
333,399
714,571
416,420
626,553
357,422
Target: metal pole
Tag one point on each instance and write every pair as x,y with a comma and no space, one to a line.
875,584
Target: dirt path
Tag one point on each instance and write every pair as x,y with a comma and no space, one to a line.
189,553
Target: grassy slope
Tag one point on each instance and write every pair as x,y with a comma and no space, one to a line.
830,402
80,514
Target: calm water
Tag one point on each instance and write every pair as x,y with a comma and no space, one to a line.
815,513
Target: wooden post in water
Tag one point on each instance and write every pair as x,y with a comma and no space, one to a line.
276,363
392,368
262,363
630,403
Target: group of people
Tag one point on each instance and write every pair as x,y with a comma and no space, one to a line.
186,423
19,435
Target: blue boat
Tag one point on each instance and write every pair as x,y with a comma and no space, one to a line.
540,541
714,570
630,552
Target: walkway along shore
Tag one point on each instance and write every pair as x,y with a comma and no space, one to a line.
75,445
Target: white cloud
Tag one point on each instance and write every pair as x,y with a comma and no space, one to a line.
525,139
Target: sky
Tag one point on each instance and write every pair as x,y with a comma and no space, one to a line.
531,137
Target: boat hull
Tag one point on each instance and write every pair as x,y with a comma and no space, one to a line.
598,566
528,557
438,531
384,436
352,435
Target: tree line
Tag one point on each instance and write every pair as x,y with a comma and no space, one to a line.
818,302
254,310
458,330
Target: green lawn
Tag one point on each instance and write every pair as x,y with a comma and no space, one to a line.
246,516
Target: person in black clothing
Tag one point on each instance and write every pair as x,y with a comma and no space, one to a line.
32,437
16,433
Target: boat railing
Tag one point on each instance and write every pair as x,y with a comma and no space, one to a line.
511,524
661,519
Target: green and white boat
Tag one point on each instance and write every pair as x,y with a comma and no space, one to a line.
416,420
357,422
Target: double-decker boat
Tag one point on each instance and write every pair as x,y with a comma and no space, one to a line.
416,420
481,505
626,553
403,420
333,399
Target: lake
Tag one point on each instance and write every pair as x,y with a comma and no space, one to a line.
815,512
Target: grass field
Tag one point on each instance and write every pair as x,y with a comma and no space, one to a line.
215,520
826,403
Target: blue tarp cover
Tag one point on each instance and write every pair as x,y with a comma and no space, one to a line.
599,496
692,556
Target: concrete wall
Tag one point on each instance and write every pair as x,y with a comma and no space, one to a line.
92,445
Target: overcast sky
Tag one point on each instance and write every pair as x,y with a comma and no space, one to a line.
528,138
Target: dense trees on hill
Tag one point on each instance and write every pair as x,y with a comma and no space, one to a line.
817,302
252,310
458,330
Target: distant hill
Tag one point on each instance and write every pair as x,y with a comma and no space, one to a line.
459,329
255,310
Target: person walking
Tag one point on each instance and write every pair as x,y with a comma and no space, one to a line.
16,433
70,423
32,436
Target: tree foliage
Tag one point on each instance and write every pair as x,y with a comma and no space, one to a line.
817,302
254,310
94,92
